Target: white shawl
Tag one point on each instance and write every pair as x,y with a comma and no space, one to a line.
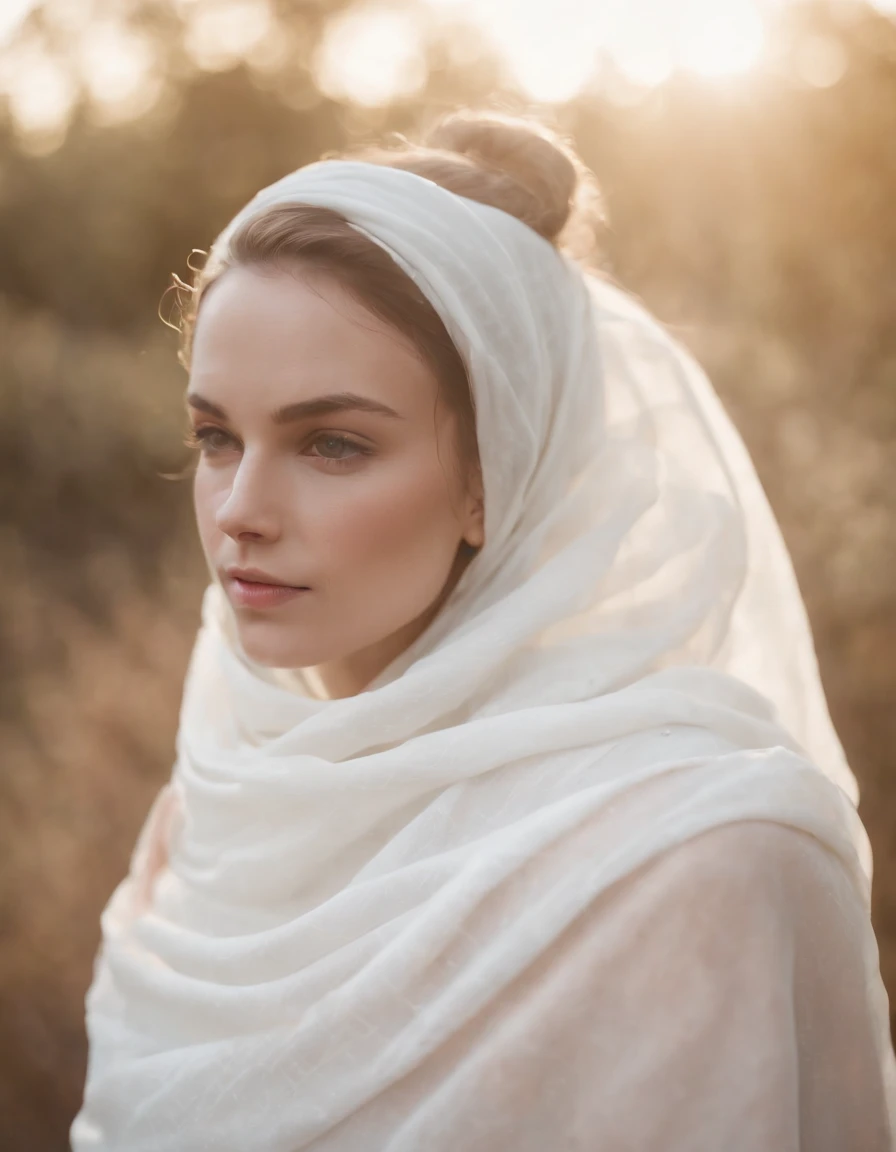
582,868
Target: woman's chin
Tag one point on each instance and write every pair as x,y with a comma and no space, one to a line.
279,651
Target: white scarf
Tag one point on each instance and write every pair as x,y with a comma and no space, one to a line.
335,907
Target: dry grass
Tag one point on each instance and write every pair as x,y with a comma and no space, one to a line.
81,764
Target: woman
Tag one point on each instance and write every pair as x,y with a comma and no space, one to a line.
507,811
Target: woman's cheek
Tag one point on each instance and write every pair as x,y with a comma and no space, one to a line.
385,513
393,558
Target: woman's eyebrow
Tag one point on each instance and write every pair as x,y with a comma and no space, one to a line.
303,409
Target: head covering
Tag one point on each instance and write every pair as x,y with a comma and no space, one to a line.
624,666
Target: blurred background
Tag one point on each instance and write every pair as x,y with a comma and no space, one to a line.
747,156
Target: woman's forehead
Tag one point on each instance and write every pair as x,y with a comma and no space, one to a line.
280,337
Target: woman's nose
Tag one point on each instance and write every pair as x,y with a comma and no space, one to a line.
249,510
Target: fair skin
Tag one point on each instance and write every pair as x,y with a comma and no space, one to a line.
362,500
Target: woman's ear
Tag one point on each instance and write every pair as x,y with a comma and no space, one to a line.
474,526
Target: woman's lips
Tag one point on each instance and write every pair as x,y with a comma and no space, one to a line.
252,594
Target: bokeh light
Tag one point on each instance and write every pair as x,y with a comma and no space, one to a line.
820,61
374,52
220,33
12,12
40,90
371,55
119,71
554,49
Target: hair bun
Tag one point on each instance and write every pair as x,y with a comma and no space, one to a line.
525,151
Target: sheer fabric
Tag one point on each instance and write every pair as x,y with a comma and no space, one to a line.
582,867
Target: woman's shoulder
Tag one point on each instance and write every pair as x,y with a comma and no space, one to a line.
746,851
754,910
742,898
749,861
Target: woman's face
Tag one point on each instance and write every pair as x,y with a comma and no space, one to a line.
326,466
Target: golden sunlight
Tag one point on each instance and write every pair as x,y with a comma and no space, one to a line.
12,13
371,55
40,90
221,33
719,37
554,49
119,71
374,51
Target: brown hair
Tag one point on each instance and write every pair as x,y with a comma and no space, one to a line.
513,164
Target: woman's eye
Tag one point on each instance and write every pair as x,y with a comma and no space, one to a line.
209,439
328,446
336,448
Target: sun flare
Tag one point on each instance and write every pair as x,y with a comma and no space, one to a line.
554,49
373,52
